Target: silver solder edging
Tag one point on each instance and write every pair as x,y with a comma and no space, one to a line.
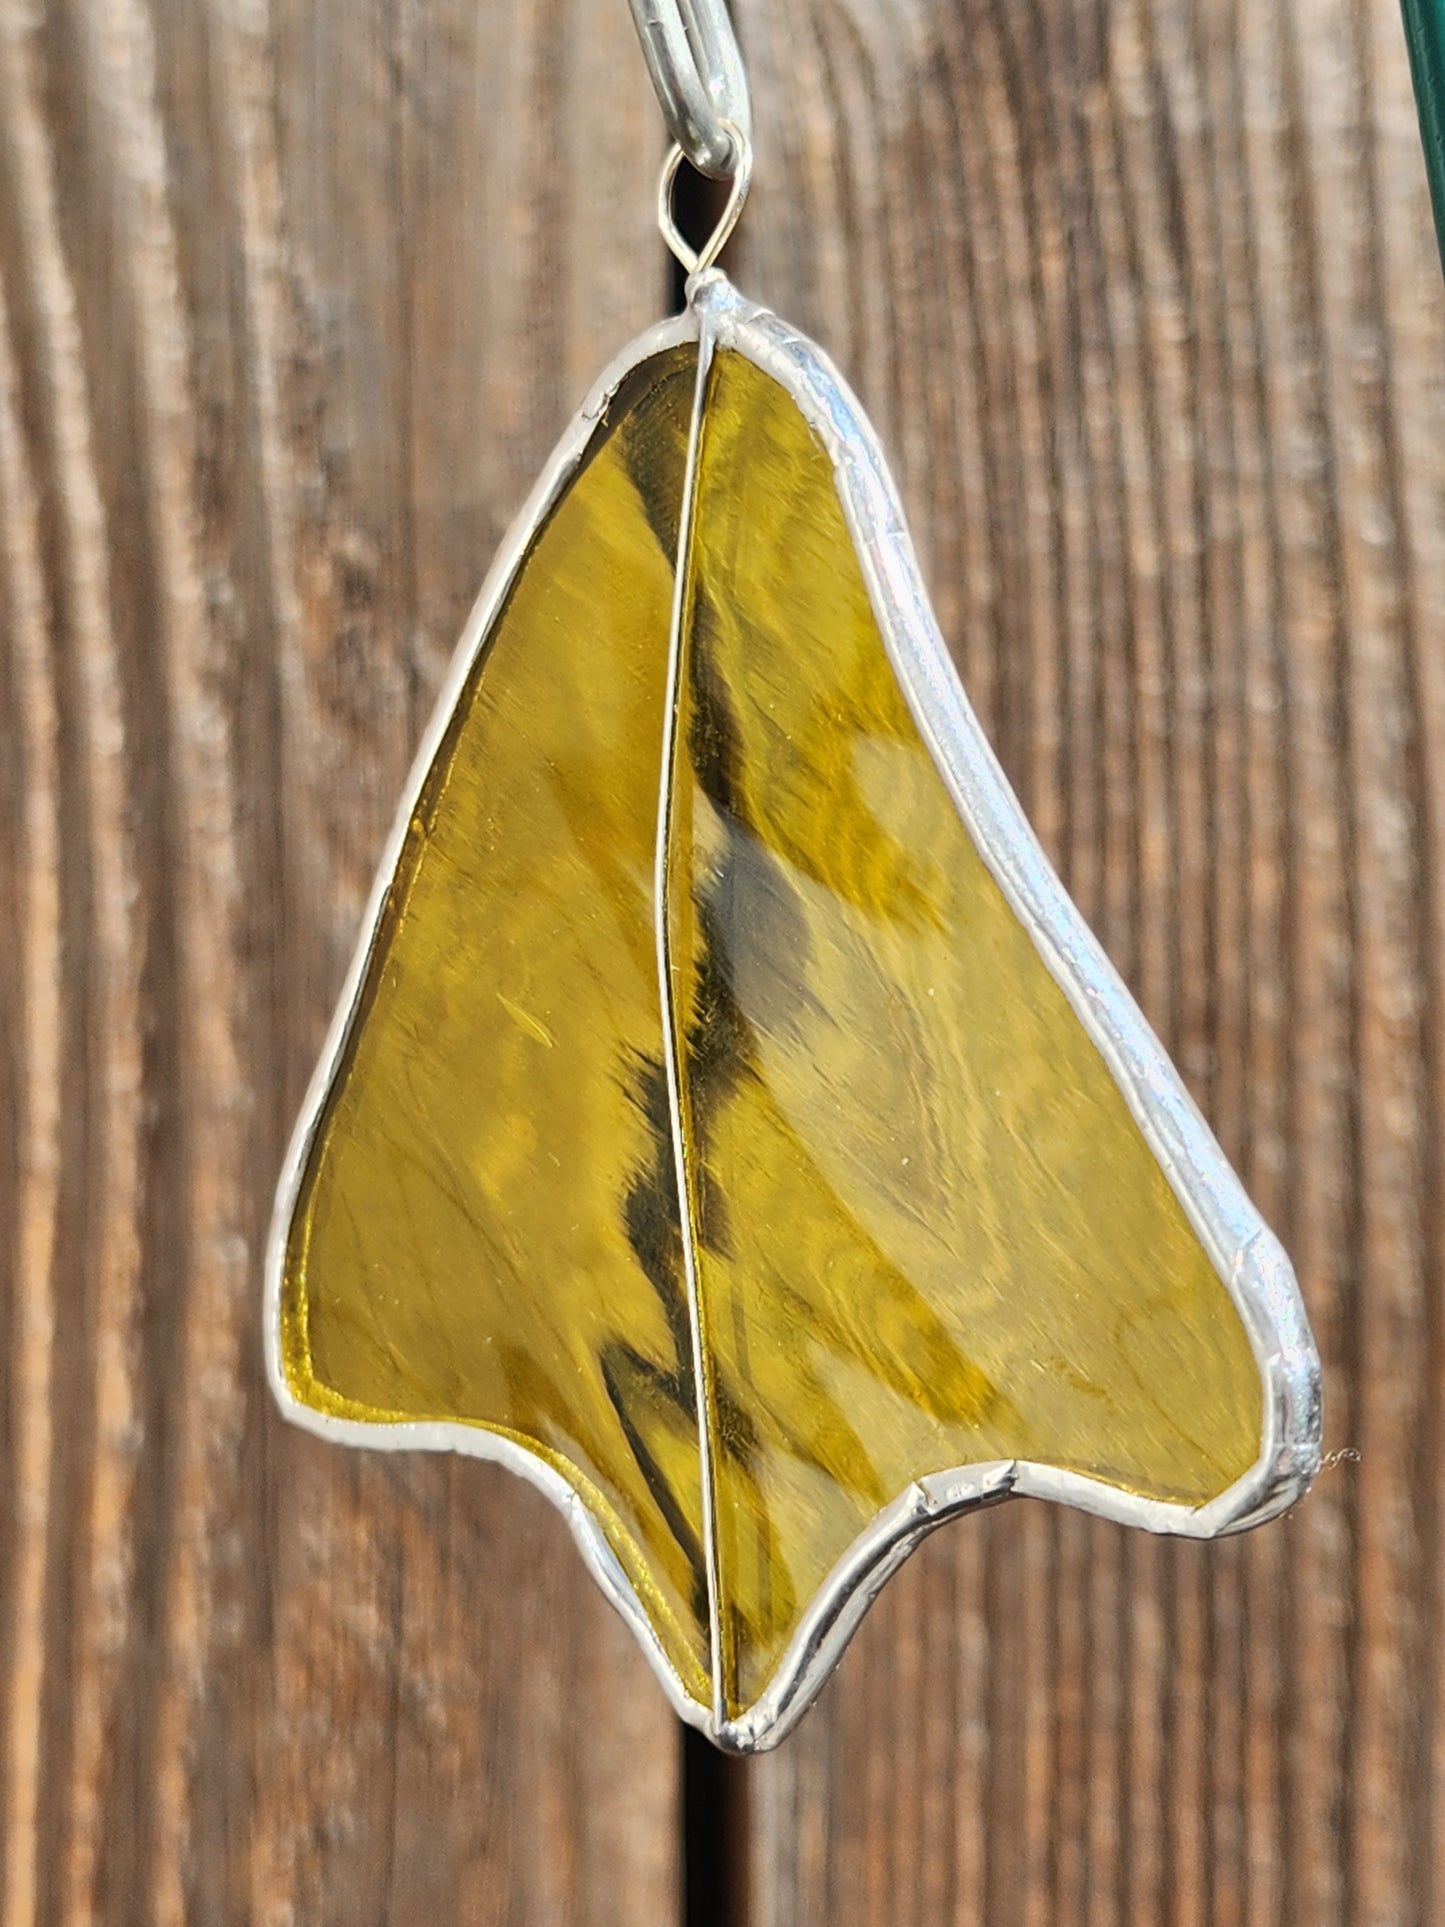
1248,1258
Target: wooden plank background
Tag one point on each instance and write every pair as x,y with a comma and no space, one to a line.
294,297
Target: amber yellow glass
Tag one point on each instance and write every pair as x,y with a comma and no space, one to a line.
928,1230
487,1229
925,1229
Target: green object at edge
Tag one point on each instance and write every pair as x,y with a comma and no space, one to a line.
1425,32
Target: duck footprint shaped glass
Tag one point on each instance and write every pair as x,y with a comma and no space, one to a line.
729,1123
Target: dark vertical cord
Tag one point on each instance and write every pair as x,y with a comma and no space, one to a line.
712,1887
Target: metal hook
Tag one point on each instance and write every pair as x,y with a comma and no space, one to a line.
697,68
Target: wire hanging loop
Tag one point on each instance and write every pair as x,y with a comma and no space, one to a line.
697,69
696,260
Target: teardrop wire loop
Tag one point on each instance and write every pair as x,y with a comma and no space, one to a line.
697,260
697,71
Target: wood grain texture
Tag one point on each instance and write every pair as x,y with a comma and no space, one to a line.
1143,296
296,296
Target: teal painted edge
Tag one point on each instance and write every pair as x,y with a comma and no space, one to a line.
1425,34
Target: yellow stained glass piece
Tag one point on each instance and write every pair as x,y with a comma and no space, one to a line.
487,1227
928,1230
922,1228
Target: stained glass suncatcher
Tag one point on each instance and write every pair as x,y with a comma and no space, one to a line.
729,1122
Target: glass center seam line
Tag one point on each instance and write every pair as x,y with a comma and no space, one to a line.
661,907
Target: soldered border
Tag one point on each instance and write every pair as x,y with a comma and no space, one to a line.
1247,1257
